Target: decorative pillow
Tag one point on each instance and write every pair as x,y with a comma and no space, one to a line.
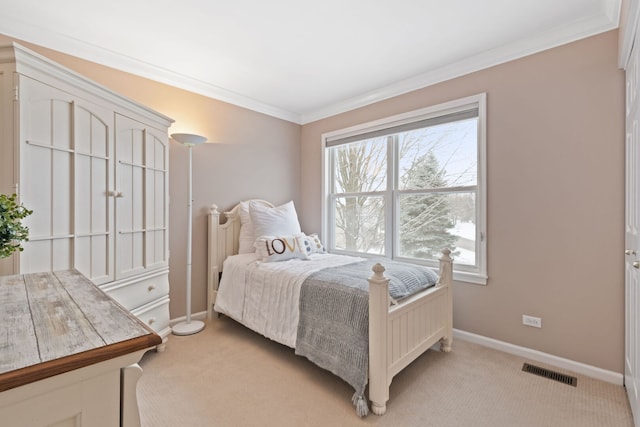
313,245
278,221
271,248
247,238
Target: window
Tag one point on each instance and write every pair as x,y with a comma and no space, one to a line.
410,185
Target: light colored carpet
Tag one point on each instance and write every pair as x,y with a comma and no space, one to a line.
229,376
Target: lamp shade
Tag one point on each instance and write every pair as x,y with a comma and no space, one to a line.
188,138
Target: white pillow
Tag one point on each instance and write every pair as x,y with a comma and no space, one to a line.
313,244
247,238
271,248
278,221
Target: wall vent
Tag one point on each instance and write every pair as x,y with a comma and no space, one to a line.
552,375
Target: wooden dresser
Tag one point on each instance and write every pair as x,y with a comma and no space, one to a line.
68,353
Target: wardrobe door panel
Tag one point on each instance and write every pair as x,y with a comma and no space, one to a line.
46,176
35,192
141,211
100,259
61,196
157,214
93,148
65,174
61,124
137,192
38,258
93,196
62,250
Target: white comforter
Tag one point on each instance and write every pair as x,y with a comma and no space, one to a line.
264,296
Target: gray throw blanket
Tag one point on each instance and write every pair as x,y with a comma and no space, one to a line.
333,330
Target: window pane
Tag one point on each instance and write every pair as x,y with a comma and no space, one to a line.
434,221
439,156
359,224
361,166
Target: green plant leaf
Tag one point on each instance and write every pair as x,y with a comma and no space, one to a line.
12,231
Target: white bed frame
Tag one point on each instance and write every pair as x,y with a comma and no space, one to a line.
398,334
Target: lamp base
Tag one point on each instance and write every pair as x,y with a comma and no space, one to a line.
184,328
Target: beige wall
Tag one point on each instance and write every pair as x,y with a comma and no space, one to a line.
253,155
555,198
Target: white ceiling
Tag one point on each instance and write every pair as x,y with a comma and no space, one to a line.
303,60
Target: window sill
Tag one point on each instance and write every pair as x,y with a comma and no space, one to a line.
467,277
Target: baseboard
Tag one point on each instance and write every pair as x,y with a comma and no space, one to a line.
538,356
202,315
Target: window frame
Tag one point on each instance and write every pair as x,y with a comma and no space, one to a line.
465,273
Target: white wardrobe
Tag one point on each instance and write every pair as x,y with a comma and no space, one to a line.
93,167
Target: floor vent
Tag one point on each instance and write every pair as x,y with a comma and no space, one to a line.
552,375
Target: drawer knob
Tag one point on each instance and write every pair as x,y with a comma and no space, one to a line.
152,321
151,287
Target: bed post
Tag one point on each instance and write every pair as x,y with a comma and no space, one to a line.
378,321
446,279
212,257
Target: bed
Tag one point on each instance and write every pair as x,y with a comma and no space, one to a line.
396,331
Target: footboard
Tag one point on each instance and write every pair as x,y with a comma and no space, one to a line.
401,333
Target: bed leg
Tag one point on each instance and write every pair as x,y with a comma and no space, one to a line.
445,344
378,409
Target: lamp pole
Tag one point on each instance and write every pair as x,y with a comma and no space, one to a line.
189,327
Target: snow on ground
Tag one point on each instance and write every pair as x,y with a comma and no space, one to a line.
465,247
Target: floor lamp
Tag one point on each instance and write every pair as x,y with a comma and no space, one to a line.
189,327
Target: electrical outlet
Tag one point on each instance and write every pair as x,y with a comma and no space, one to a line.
536,322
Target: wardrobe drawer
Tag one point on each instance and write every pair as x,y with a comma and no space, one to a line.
135,293
154,315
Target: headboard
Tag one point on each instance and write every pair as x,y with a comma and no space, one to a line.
223,241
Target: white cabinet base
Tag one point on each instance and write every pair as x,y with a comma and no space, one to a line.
85,397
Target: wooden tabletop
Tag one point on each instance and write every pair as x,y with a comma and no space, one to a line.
54,322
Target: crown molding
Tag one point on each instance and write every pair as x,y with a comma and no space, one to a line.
556,37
